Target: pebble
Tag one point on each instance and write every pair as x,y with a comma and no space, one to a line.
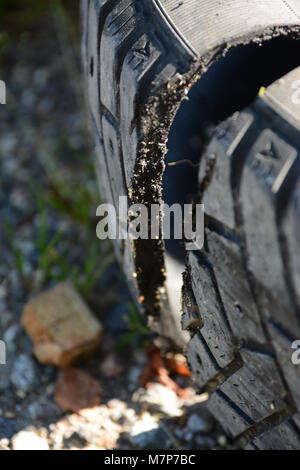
11,335
28,99
5,371
159,396
146,423
134,374
24,374
76,390
8,143
196,423
117,408
27,440
3,291
18,200
155,439
147,434
2,305
111,367
205,442
70,329
76,441
35,411
4,444
41,76
222,441
8,427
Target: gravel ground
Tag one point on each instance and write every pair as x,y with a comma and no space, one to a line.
48,199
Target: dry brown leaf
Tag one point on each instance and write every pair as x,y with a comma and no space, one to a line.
76,390
159,369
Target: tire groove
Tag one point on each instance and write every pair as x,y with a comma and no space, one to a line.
238,161
241,151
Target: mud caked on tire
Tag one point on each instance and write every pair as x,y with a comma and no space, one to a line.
241,293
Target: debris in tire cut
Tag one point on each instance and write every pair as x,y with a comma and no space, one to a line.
61,326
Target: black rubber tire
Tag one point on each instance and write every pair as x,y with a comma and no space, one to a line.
141,57
241,294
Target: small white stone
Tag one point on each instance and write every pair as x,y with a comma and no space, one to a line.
145,424
27,440
162,397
